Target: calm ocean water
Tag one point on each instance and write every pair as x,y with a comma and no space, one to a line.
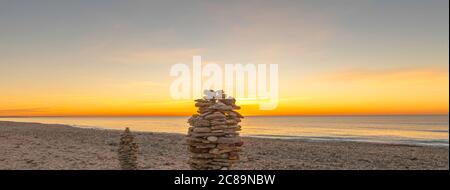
421,130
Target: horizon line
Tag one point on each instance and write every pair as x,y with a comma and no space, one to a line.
251,115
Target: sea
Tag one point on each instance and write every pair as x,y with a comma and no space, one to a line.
430,130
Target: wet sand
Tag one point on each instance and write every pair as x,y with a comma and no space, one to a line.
45,146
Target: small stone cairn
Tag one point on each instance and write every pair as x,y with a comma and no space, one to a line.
128,151
213,139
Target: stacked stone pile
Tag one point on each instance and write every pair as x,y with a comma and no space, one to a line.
128,150
213,139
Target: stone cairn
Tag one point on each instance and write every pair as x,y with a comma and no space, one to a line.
212,139
128,151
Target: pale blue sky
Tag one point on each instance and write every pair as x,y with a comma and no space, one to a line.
348,26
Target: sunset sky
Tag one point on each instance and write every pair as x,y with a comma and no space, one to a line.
113,57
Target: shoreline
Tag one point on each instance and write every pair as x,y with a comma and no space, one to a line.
277,137
356,139
55,146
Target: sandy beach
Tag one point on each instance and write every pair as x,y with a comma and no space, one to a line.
45,146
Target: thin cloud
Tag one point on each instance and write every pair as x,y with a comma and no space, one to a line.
381,75
22,111
154,56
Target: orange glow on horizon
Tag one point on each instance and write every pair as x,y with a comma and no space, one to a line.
353,93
